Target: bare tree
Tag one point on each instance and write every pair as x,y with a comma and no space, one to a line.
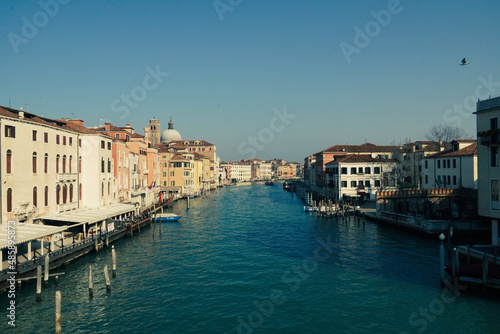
446,133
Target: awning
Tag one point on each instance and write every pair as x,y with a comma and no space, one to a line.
26,232
91,215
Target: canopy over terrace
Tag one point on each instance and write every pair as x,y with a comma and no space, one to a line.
26,232
91,215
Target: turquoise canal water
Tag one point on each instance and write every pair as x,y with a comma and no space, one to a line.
248,260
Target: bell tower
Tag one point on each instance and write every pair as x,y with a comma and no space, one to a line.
152,131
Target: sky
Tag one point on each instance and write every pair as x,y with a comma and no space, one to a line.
265,79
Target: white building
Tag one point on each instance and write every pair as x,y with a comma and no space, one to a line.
452,168
488,114
241,171
39,162
358,176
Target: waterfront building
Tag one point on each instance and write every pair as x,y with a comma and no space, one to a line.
261,170
452,168
121,158
97,175
39,162
358,175
240,170
487,115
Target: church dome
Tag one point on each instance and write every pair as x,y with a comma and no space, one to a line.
170,134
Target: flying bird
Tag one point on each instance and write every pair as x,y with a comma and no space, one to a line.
464,62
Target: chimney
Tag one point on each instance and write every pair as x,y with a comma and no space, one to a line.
76,121
21,114
441,146
107,126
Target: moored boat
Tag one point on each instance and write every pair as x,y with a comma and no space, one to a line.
269,183
167,217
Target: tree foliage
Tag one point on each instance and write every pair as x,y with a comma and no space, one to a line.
446,133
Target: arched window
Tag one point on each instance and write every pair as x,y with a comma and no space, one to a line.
64,164
58,193
109,165
34,162
57,163
65,194
70,162
46,196
71,193
46,164
9,200
9,161
102,165
109,189
35,197
102,189
80,165
80,191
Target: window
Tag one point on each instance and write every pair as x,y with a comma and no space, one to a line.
344,170
9,161
426,163
70,163
377,183
35,197
494,195
117,135
102,189
80,165
376,170
448,179
493,123
353,170
368,170
426,179
353,184
360,170
80,191
10,131
64,164
34,135
172,174
454,180
493,156
70,141
46,164
46,195
172,183
109,166
344,184
64,140
57,164
102,165
109,145
65,194
58,194
454,163
45,137
439,164
58,139
109,189
367,184
34,162
79,143
9,200
71,193
448,163
102,144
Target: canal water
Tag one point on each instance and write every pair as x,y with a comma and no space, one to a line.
247,259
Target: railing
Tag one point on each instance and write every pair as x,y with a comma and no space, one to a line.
66,177
67,206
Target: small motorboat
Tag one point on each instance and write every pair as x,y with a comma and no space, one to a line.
269,183
310,208
167,217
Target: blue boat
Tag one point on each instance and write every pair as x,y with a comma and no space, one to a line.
167,217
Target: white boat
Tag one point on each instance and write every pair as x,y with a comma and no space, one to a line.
167,217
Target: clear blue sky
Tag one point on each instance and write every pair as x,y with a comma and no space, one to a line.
229,69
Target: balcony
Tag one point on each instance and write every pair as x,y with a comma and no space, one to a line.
67,207
490,137
66,177
145,171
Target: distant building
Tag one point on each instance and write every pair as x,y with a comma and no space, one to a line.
153,131
452,168
488,114
170,134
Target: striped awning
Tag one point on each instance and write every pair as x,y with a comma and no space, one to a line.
21,232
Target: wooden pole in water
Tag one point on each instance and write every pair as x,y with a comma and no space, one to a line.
485,271
188,202
441,259
58,312
113,255
46,275
39,283
91,282
106,276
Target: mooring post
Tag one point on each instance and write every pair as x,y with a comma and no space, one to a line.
58,312
46,275
91,282
39,283
106,276
107,239
485,271
188,202
113,255
441,259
